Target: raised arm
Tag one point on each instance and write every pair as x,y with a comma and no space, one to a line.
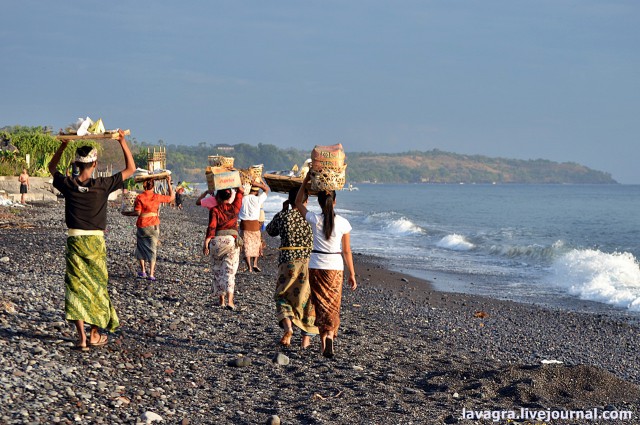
130,165
53,164
261,185
171,192
300,196
201,197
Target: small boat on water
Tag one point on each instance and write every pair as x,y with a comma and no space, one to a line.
282,181
349,187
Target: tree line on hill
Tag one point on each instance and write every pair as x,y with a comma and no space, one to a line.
435,166
188,162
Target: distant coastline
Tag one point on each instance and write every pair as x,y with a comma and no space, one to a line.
434,166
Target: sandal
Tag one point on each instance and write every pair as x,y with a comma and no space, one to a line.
102,341
142,275
257,269
152,278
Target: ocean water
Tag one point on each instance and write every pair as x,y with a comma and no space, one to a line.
571,246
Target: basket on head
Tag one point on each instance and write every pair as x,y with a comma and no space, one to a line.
328,179
327,157
245,176
128,202
256,171
221,161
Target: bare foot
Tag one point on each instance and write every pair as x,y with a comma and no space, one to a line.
286,337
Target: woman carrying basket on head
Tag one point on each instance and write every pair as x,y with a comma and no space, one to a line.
222,234
147,208
331,250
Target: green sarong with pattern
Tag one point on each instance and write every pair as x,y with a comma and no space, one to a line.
86,297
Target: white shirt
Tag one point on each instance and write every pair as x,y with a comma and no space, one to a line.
251,205
332,245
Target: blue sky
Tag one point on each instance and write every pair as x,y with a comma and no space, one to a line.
551,79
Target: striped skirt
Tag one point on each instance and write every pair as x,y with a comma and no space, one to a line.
86,278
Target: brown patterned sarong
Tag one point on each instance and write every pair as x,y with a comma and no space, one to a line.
326,294
86,278
252,243
293,294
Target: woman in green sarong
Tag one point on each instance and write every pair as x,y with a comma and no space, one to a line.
86,296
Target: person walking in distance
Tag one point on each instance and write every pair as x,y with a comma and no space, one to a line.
250,225
25,185
147,207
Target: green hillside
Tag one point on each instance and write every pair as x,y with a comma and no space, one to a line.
435,166
189,162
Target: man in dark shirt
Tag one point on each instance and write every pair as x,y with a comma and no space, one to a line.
86,296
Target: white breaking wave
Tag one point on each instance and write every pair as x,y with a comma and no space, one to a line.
597,276
403,226
455,242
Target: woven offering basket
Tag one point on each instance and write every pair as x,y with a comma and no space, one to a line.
245,176
221,161
128,201
256,172
328,179
328,157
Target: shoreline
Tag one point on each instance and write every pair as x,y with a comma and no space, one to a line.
405,352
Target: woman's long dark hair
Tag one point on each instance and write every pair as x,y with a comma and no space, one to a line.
326,199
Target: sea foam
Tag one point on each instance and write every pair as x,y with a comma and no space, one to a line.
403,226
602,277
455,242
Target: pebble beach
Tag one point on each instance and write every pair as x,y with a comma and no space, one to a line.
405,353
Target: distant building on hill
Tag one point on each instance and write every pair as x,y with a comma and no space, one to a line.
224,148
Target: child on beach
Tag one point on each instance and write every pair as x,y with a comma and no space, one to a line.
25,186
86,278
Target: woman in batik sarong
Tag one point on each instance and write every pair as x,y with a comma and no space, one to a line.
146,207
86,297
331,250
292,293
223,241
250,224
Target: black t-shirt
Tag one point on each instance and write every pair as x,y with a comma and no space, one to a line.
85,204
